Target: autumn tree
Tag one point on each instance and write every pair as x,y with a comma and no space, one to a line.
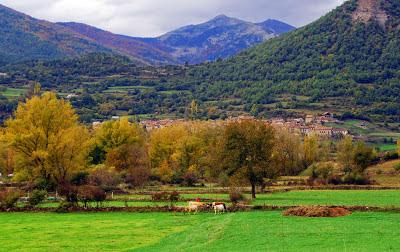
345,153
121,145
312,152
179,151
47,139
247,149
288,153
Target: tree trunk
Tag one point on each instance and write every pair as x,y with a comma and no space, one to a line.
253,191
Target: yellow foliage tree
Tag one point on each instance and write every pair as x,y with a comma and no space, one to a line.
288,153
47,139
312,150
121,144
180,148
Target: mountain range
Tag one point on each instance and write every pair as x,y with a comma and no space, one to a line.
25,38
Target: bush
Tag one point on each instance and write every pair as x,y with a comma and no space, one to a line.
9,198
70,193
397,167
37,197
393,155
64,207
235,195
174,196
356,179
104,178
165,196
88,194
80,178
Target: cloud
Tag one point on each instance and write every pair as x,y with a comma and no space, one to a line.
155,17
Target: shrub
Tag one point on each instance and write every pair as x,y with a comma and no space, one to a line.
64,207
393,155
104,178
137,177
235,195
356,179
160,196
37,197
189,179
80,178
397,167
335,180
70,193
9,198
88,194
174,196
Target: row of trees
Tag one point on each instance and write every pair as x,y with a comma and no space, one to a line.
46,145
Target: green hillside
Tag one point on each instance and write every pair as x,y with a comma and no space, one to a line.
25,38
355,62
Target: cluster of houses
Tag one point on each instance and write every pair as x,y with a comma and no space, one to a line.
310,125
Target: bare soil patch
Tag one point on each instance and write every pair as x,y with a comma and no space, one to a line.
317,211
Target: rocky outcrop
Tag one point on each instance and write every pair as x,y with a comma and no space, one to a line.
370,10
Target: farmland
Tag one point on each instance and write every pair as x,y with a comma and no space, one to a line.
255,231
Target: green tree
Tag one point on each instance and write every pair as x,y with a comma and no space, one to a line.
345,153
247,149
363,157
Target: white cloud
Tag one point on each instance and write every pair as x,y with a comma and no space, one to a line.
155,17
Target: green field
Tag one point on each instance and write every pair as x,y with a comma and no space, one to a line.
372,198
14,92
249,231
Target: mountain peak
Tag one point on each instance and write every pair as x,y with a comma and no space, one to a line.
368,10
221,16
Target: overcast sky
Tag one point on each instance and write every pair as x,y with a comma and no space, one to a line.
155,17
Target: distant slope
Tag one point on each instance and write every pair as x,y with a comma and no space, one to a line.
139,49
220,37
24,38
352,54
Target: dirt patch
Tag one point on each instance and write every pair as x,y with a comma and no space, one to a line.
317,211
368,10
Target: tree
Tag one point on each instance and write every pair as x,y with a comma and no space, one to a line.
345,153
363,157
398,146
7,159
311,150
47,139
288,153
193,110
247,149
121,145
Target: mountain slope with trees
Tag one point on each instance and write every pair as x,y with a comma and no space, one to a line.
25,38
352,53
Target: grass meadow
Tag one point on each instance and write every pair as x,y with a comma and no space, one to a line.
245,231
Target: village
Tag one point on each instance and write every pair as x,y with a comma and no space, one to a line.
310,125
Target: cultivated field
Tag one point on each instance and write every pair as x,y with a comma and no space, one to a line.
245,231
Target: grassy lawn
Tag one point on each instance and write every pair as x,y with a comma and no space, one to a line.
249,231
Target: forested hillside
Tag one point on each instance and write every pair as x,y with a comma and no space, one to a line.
340,56
24,38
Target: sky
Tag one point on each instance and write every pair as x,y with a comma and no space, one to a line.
150,18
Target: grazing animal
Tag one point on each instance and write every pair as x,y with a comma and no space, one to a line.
219,207
194,206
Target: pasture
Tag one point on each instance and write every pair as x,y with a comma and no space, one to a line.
245,231
370,198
